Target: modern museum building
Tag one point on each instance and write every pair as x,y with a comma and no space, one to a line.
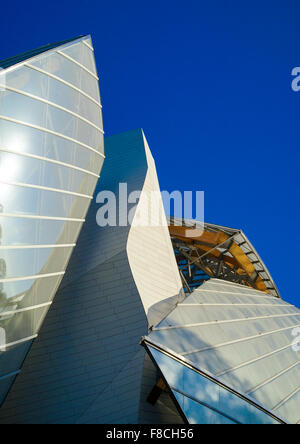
125,323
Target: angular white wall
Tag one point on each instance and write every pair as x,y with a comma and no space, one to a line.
150,252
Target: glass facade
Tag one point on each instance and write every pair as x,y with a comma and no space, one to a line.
203,401
51,155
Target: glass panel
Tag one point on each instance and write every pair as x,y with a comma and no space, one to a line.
21,294
68,71
22,200
29,262
17,168
4,386
41,85
28,140
21,262
12,359
22,325
290,409
34,112
34,53
16,231
197,413
200,388
82,54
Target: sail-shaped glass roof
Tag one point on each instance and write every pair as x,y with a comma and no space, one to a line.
6,63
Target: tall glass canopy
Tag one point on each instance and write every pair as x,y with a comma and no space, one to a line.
51,155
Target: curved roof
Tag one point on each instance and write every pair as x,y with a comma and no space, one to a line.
241,338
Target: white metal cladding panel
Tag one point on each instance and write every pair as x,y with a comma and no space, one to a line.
150,252
246,342
51,154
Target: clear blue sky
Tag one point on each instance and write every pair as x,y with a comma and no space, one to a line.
210,84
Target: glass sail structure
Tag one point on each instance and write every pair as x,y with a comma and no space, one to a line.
51,155
218,340
226,354
203,401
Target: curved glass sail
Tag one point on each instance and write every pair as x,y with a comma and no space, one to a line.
51,155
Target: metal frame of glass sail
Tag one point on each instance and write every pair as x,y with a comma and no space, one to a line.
217,252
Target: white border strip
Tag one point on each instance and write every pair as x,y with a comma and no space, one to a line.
29,247
21,310
64,82
31,216
60,52
29,278
47,102
46,130
46,159
40,187
88,45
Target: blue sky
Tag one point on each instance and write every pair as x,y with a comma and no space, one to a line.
210,84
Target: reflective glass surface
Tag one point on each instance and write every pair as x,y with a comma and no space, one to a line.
197,413
36,113
22,232
198,394
30,201
4,386
17,168
50,138
22,139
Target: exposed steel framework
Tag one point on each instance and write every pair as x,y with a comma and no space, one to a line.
212,251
